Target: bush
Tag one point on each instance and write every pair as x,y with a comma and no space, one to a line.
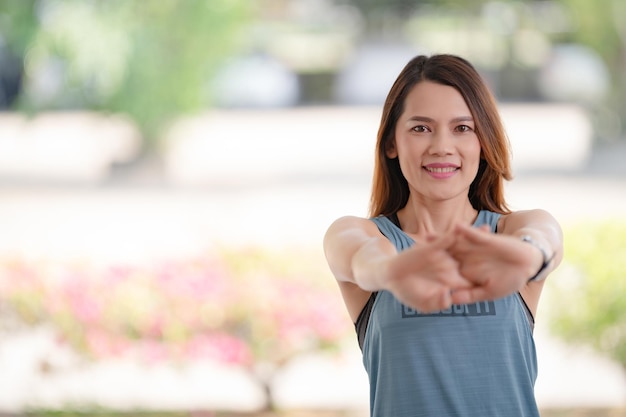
588,303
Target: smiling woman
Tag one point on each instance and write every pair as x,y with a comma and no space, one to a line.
436,129
442,281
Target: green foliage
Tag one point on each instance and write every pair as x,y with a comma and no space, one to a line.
587,294
151,60
598,25
176,47
17,23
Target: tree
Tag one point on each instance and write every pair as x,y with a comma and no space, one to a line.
152,60
599,25
17,27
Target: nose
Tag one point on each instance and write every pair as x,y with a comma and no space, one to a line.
441,144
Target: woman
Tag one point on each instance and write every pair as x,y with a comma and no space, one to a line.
443,280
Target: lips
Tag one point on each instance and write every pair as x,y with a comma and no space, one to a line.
441,170
441,167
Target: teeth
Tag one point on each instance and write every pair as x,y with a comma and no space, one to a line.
441,170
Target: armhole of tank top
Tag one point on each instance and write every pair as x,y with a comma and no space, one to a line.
529,314
363,320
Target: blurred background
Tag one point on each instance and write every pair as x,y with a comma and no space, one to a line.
168,169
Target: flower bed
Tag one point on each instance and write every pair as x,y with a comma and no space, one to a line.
243,307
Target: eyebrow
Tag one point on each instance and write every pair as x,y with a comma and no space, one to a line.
429,120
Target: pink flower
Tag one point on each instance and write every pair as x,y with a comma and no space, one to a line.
236,307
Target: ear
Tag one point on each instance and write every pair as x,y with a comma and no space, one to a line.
390,149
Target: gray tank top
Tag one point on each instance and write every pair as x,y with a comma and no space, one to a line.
469,360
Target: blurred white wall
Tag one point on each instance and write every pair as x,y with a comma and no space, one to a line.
251,146
78,147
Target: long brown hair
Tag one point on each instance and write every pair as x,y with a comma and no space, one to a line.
390,190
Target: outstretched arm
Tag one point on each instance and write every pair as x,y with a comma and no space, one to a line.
345,238
363,260
503,263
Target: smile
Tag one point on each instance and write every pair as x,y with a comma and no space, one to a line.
441,170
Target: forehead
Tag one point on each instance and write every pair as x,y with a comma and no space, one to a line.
431,99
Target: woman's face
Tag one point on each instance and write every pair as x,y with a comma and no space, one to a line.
436,143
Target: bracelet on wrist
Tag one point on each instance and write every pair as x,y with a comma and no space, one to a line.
546,260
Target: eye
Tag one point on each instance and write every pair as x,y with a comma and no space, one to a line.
463,128
421,129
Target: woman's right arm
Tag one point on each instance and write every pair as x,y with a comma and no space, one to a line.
363,261
356,253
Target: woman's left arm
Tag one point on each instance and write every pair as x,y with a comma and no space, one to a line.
527,247
540,229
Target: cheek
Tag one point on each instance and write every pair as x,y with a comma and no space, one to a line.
472,154
474,149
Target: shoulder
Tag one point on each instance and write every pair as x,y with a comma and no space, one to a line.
351,222
526,218
346,234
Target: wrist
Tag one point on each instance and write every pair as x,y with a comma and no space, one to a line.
546,260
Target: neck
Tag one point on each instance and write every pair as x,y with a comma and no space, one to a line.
424,219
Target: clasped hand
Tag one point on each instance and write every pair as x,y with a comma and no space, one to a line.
463,266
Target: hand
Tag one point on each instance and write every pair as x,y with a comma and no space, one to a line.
497,265
424,276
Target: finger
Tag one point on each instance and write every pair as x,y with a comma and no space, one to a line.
469,295
443,242
473,234
463,244
451,277
433,297
480,230
445,300
458,282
